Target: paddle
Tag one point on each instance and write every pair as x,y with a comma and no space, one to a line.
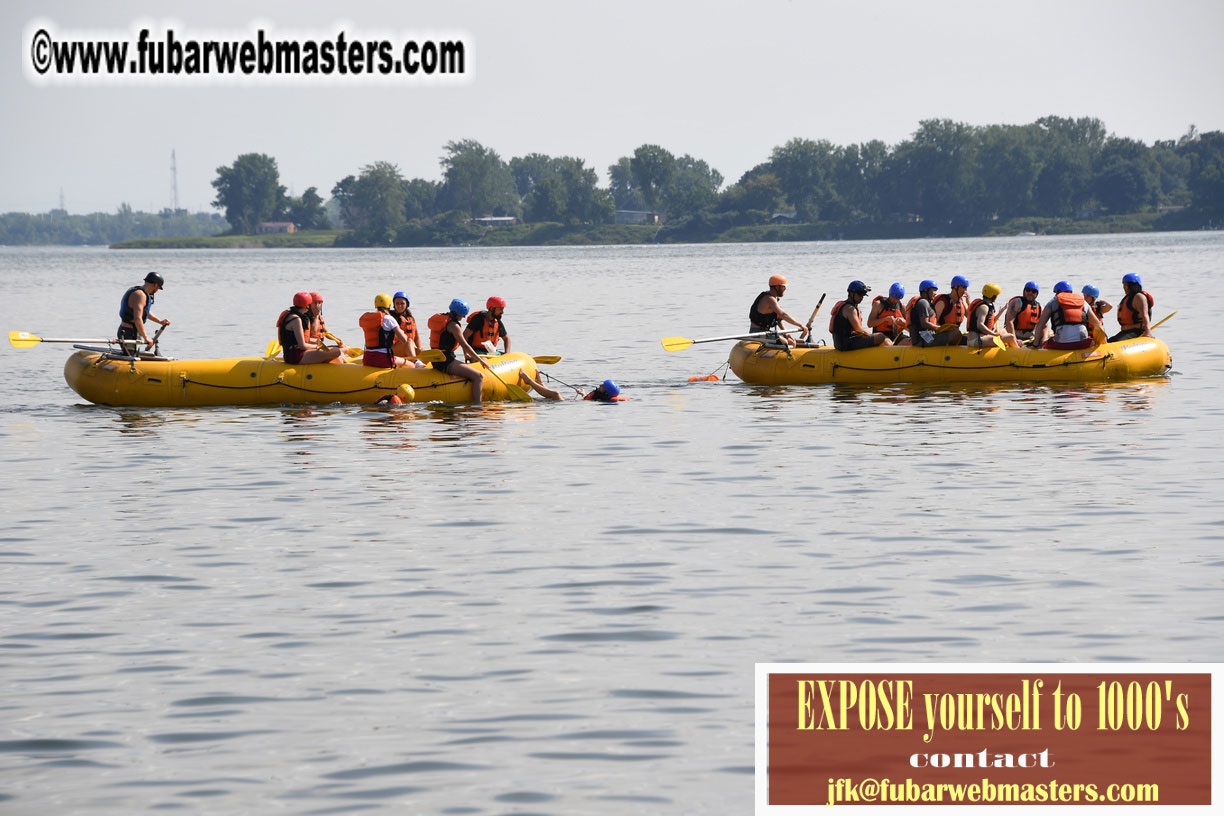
547,359
21,339
1156,326
516,392
681,343
815,311
273,349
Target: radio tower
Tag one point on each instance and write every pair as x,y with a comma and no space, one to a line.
174,181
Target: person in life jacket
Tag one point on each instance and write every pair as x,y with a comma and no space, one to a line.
135,308
318,326
981,329
846,322
1134,310
1071,318
923,326
951,308
411,346
292,330
887,315
765,315
1092,296
446,335
1021,315
606,391
381,333
485,328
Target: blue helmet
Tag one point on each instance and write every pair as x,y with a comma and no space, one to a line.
459,307
927,284
1131,277
1033,285
1091,291
896,291
1062,286
960,280
610,388
401,295
857,287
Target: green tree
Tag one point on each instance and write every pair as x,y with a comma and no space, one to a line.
529,170
249,191
378,202
1126,178
307,211
1007,169
693,187
421,198
477,181
932,175
804,168
1205,154
622,186
761,192
652,168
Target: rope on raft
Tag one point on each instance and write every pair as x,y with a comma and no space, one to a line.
977,367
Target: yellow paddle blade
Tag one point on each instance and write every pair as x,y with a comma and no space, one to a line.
946,327
1098,336
20,339
998,341
547,359
431,356
676,343
355,352
273,349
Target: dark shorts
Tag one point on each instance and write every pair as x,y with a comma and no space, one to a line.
126,333
854,343
941,339
1126,334
293,356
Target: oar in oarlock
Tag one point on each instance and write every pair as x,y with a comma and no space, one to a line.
1154,327
815,312
681,343
21,339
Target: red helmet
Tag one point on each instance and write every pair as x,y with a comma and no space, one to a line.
302,300
316,297
777,280
495,302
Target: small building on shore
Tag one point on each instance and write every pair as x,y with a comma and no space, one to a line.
266,227
638,217
495,220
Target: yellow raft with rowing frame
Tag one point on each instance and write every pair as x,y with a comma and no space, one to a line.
258,381
758,363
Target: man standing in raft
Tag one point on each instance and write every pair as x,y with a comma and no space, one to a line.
446,334
846,322
1134,312
134,310
485,328
767,315
293,328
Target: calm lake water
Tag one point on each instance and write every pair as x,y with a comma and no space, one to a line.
556,607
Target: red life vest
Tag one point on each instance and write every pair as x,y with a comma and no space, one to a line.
1128,318
437,324
954,311
1029,314
1070,311
909,310
490,330
408,324
893,317
991,315
837,307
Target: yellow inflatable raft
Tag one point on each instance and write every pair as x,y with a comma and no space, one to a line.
755,362
257,381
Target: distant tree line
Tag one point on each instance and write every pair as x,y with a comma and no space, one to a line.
59,228
950,177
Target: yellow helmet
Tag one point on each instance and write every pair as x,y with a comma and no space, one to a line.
382,301
991,290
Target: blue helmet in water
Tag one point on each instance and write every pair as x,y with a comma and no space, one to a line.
459,307
896,291
610,388
1091,291
960,280
927,284
1131,277
1062,286
401,295
1033,285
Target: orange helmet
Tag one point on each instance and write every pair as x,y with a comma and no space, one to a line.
302,300
316,297
495,302
777,280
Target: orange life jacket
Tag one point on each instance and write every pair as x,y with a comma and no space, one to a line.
408,324
1029,314
892,315
991,315
490,330
437,324
1128,318
909,310
376,337
618,398
837,307
954,311
1071,309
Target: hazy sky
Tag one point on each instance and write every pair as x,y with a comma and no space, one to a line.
723,81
